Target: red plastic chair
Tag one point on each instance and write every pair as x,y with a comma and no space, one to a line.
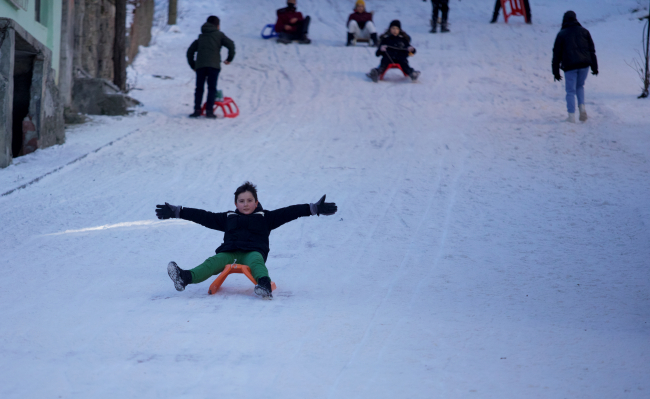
516,9
226,105
233,268
391,66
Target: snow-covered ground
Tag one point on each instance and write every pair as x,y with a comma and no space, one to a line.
483,247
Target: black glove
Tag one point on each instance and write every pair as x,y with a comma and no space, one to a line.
558,77
323,208
168,211
594,73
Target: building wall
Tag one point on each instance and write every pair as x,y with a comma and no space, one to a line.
48,31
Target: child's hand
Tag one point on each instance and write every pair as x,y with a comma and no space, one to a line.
383,48
323,208
168,211
411,49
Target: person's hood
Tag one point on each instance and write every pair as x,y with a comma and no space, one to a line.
209,28
570,19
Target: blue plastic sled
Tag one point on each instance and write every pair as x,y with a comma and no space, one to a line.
271,29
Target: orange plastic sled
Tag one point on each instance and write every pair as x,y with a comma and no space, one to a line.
233,268
516,9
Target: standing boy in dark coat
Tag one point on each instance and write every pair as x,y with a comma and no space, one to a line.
574,52
394,48
443,7
246,237
497,8
208,63
291,25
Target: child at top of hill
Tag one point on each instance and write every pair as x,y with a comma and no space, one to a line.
246,237
291,25
394,48
360,25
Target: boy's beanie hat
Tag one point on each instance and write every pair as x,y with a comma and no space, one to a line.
395,22
360,3
214,20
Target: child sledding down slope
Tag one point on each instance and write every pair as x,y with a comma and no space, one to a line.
246,237
394,48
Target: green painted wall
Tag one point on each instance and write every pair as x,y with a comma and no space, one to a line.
48,31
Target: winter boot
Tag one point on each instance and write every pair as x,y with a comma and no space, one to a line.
495,16
414,75
434,26
210,115
443,27
263,288
583,112
180,277
351,41
283,39
196,114
374,75
374,40
304,40
571,118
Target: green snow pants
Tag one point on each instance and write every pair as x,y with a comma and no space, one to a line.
215,265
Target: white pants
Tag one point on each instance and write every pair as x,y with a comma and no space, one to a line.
353,27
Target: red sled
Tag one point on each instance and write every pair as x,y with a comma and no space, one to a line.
391,66
228,106
516,9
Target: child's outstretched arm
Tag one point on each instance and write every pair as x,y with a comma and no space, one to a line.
284,215
215,221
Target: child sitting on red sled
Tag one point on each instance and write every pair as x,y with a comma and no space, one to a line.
394,48
246,237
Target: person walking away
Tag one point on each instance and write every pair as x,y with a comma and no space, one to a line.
360,25
439,6
574,53
207,64
291,25
394,48
497,8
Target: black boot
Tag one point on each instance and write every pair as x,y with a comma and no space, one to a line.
443,27
180,277
434,25
374,40
263,288
494,18
350,39
210,115
196,114
373,75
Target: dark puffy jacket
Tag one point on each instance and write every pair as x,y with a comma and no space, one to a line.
246,232
208,46
574,48
397,46
285,15
361,17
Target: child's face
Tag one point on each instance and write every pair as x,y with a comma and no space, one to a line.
394,30
246,203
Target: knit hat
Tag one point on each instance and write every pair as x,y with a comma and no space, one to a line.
395,22
360,3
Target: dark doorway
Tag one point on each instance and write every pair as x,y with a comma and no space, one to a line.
23,74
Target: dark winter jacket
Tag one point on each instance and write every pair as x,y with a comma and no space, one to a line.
574,48
361,17
285,15
246,232
208,46
397,46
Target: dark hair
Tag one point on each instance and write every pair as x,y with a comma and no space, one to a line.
247,186
214,20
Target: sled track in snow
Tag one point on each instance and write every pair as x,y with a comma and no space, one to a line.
36,180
